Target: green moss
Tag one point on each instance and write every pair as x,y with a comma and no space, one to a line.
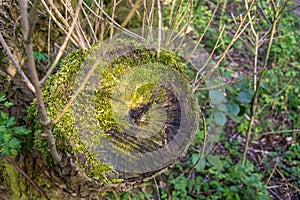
59,88
13,180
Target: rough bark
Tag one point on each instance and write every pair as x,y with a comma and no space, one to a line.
13,185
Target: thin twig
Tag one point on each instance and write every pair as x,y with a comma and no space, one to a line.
204,31
279,132
64,21
160,27
157,188
234,38
197,81
254,100
64,45
271,175
90,25
25,175
151,16
33,16
81,35
228,83
287,182
256,46
131,13
111,21
111,31
57,22
45,120
16,64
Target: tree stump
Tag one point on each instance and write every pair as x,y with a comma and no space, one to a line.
134,117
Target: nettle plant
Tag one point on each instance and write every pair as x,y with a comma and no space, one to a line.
10,135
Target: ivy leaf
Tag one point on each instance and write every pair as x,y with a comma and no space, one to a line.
200,166
233,108
245,96
233,188
222,107
200,134
14,143
220,117
2,97
8,104
216,96
21,130
10,122
235,118
5,151
3,118
13,151
215,162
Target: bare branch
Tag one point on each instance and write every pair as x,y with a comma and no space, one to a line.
131,13
254,100
16,64
111,21
62,19
58,23
160,27
45,120
64,45
33,17
238,31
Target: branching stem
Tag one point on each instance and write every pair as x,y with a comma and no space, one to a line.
45,120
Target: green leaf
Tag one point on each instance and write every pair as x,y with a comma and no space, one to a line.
3,118
235,118
245,96
14,143
242,84
230,88
13,151
233,108
234,188
8,104
216,96
200,134
5,151
237,197
7,137
10,122
2,97
219,117
222,107
200,166
215,161
126,196
21,130
266,90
